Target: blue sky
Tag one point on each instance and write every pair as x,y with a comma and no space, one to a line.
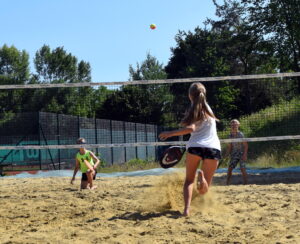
109,34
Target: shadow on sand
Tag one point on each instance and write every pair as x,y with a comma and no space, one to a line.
146,216
260,178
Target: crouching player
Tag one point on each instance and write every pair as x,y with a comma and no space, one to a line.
87,162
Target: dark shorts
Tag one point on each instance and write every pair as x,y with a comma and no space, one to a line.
84,176
235,159
205,153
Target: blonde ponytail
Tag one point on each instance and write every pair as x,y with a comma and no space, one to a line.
199,109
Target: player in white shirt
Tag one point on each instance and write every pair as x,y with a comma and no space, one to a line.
204,144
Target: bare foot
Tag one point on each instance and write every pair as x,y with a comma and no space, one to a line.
202,186
93,187
186,212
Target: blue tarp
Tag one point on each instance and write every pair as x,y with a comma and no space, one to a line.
156,171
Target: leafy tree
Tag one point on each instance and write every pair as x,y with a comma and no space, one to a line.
251,49
58,66
150,69
200,54
245,51
278,21
140,103
14,65
14,69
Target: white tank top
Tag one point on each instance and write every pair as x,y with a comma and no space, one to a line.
205,135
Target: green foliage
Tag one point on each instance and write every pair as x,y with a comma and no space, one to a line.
149,69
14,65
267,160
248,37
55,65
137,162
58,66
103,163
226,97
14,69
269,122
197,54
6,117
143,103
278,22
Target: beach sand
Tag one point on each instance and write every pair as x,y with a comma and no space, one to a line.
148,210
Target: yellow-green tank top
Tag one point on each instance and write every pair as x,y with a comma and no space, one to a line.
82,157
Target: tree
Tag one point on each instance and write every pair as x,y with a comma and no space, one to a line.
14,65
58,66
278,22
247,51
140,103
200,54
14,69
251,49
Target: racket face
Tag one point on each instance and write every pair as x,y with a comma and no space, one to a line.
171,156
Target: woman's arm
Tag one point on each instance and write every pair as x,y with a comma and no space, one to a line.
184,131
97,161
88,165
75,171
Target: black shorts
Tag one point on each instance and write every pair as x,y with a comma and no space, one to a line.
84,176
205,153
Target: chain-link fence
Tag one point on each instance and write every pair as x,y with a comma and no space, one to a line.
57,129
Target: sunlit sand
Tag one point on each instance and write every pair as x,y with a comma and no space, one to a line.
148,209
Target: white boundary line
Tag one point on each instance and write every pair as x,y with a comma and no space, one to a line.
140,144
148,82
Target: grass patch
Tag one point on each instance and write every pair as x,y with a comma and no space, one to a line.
269,121
132,165
278,120
290,158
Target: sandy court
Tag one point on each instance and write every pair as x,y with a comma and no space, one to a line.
148,210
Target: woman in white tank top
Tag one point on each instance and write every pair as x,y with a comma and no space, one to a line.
203,144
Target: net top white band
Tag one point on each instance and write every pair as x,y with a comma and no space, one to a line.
139,144
149,82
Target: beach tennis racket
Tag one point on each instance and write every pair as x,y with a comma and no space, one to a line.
171,156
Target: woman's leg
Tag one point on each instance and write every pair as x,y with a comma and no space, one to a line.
229,174
209,167
192,163
90,178
202,185
84,184
244,174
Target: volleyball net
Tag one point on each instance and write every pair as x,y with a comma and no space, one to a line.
39,123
